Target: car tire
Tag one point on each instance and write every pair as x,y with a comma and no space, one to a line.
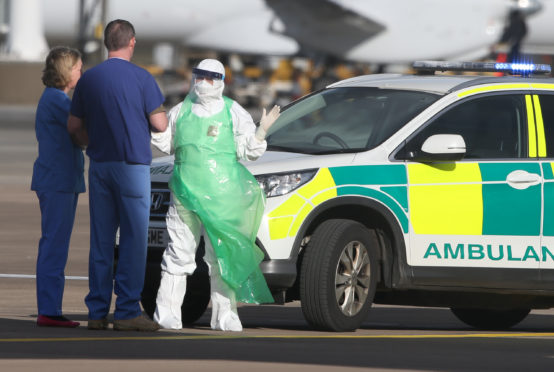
335,296
490,319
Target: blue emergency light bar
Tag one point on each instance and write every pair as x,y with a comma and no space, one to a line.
511,68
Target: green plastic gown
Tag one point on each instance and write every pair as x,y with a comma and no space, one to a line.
208,180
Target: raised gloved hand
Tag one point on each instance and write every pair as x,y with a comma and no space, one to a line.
267,121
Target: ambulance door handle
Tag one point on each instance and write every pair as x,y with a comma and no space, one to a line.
520,179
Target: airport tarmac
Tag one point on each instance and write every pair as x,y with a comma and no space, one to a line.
274,338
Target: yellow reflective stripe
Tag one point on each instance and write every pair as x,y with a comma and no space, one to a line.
492,88
279,227
325,195
286,219
531,127
446,199
542,86
299,219
322,181
281,218
289,208
540,127
443,173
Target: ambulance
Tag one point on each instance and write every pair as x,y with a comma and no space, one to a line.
423,189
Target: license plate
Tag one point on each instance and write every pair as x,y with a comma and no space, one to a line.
157,237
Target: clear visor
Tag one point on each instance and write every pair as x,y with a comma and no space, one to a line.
198,73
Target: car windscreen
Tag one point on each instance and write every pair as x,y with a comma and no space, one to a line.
338,120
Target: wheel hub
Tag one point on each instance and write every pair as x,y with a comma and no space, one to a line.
352,278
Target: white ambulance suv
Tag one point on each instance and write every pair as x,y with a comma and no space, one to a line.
426,190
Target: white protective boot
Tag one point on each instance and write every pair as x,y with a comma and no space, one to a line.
169,300
224,306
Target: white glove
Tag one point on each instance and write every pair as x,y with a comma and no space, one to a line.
267,121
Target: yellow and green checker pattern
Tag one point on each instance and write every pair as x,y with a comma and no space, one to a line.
445,199
384,183
473,199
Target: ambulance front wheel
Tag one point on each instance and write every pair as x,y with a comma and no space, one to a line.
338,276
489,318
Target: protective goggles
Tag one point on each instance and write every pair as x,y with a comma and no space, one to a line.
205,74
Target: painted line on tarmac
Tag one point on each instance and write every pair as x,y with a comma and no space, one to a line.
321,337
25,276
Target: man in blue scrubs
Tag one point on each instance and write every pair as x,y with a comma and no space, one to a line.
114,107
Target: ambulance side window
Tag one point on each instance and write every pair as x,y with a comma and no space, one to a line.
547,108
493,127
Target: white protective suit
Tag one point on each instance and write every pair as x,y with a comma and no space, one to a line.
179,257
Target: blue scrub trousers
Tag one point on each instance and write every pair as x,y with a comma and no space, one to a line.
119,196
58,214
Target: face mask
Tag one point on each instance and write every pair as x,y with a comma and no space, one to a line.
208,95
203,88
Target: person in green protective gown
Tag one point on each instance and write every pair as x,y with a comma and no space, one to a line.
212,191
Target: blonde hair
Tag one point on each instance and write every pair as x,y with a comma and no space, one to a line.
59,63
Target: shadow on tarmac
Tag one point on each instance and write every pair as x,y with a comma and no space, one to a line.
392,338
398,338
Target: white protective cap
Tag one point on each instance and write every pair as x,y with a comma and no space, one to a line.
212,65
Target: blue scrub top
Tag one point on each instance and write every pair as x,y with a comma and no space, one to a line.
60,163
115,99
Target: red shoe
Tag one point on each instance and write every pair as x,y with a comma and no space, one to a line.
56,321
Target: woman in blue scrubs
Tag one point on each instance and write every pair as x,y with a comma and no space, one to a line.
57,179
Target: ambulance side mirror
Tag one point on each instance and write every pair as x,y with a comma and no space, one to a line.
440,147
445,144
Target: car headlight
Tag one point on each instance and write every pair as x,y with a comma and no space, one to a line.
283,183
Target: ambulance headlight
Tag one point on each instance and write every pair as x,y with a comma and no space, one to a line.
282,183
